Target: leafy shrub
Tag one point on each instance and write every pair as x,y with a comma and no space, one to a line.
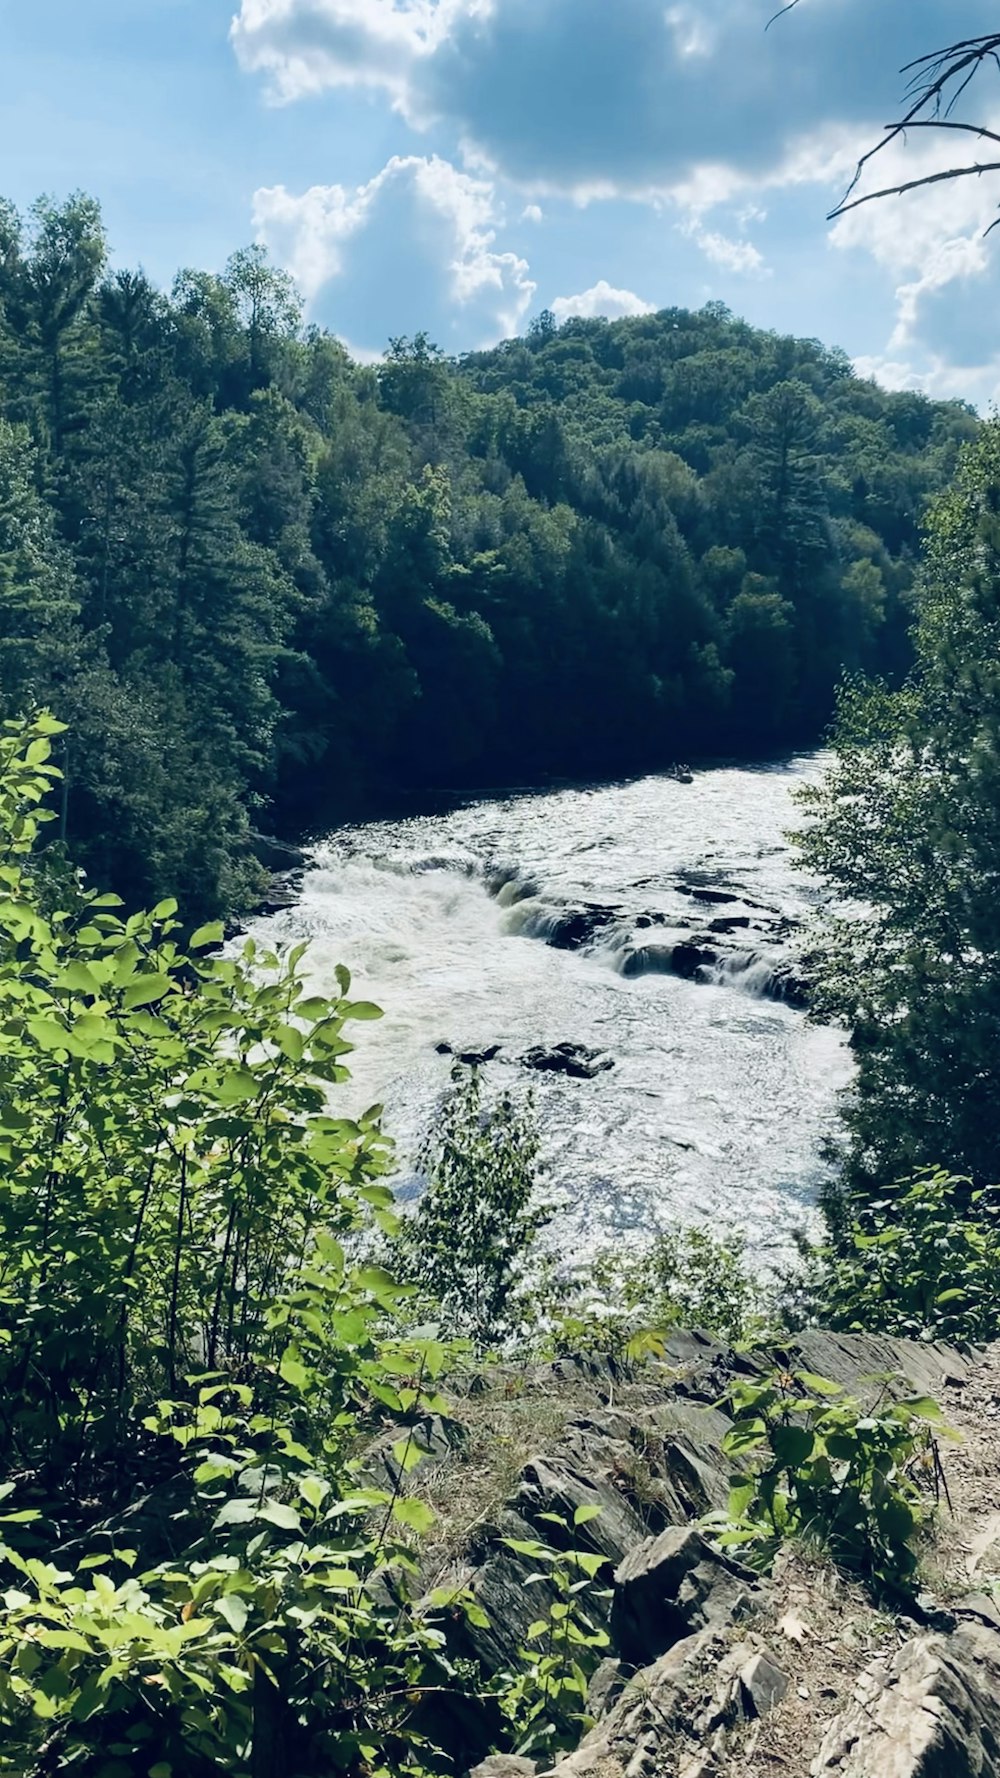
921,1261
469,1243
194,1574
545,1701
621,1307
825,1468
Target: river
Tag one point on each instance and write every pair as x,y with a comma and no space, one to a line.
719,1097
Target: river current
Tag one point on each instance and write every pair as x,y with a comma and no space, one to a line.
720,1095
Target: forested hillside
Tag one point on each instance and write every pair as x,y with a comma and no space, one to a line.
264,584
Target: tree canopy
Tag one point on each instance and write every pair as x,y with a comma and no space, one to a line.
906,832
265,585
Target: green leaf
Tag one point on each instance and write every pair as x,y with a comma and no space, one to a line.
237,1086
234,1610
145,990
415,1514
584,1514
361,1009
290,1042
236,1512
792,1445
285,1517
212,934
818,1385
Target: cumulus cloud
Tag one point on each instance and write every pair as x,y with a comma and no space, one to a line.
741,257
602,299
934,241
685,105
575,96
419,224
306,46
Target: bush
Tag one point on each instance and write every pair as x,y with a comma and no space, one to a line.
921,1261
468,1245
194,1575
827,1469
622,1307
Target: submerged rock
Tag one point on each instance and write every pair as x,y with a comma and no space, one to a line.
579,926
572,1059
470,1058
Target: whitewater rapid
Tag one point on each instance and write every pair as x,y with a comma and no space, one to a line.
720,1097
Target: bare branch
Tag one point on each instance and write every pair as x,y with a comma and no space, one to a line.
897,191
792,4
943,123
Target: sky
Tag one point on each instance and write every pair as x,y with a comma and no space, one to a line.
456,166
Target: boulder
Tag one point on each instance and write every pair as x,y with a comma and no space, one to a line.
762,1685
932,1712
670,1587
578,926
572,1059
685,960
470,1058
606,1687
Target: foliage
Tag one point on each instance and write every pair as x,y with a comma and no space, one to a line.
921,1262
546,1699
250,573
468,1245
905,832
825,1468
622,1306
195,1573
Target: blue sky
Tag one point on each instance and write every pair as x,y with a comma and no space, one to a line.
457,165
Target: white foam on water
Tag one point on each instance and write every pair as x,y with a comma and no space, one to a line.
720,1099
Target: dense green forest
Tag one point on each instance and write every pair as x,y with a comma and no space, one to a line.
266,585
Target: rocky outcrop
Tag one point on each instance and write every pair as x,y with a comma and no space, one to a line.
700,1656
671,1586
932,1712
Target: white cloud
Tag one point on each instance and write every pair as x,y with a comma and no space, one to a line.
531,213
306,46
736,256
935,377
419,219
602,299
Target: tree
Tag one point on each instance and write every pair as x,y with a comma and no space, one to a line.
474,1228
905,831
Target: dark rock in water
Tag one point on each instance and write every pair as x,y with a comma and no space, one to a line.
685,960
277,855
578,926
650,960
573,1059
470,1058
281,892
711,897
689,960
788,985
731,923
671,1586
